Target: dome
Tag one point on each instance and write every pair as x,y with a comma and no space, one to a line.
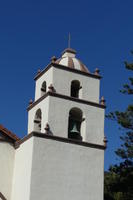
68,59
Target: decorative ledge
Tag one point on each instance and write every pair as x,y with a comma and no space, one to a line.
95,75
60,139
67,98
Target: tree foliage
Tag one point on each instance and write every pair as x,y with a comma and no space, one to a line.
119,178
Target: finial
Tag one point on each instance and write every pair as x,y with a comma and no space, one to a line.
105,141
47,128
53,59
96,71
39,71
51,88
69,40
30,102
102,101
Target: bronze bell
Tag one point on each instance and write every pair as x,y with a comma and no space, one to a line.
74,129
74,133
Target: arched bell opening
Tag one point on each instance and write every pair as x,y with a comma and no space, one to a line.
75,88
74,124
43,88
38,121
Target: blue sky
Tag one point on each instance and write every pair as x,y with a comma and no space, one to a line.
31,32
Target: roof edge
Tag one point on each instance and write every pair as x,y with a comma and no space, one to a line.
63,67
8,133
54,94
60,139
2,196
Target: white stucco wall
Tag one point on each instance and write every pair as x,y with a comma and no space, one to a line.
55,111
62,171
48,77
93,125
44,106
22,171
61,80
7,153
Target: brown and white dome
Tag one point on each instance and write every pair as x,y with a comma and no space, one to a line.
69,59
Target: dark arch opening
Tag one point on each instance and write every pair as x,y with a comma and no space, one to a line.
75,87
43,88
74,124
38,121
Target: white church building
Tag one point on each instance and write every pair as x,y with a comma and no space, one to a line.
62,156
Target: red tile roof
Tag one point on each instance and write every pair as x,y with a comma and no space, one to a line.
9,133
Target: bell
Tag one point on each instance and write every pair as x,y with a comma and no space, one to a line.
74,133
74,130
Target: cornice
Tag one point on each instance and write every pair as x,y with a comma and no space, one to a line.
62,67
67,98
60,139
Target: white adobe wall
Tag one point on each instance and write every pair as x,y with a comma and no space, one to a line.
44,106
22,171
61,80
66,171
55,111
90,86
93,125
48,77
7,153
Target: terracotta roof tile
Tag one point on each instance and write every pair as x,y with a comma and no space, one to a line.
9,133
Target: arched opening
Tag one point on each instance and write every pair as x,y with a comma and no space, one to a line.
74,124
43,88
38,120
75,87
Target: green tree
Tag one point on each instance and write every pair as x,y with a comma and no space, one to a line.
119,178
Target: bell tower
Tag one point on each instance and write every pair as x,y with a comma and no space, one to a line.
62,157
67,100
